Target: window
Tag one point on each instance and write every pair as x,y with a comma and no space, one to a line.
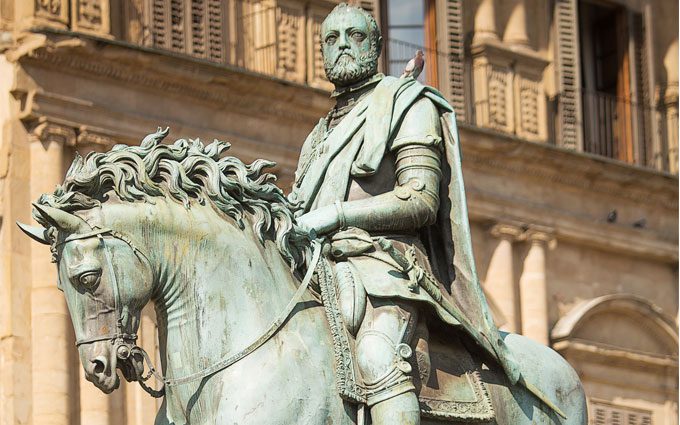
613,114
411,27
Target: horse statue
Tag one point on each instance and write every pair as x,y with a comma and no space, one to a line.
243,340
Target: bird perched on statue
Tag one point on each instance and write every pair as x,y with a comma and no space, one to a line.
415,66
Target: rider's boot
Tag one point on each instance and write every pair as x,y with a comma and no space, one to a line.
402,409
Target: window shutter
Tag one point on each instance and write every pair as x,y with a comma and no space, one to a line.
217,23
455,47
643,112
177,34
569,77
160,27
603,413
194,27
290,23
198,26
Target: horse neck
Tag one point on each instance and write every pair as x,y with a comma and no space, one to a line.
219,288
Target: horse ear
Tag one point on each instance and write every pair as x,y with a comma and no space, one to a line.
34,232
62,220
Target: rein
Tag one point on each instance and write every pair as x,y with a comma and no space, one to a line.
124,344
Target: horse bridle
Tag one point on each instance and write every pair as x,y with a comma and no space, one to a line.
124,344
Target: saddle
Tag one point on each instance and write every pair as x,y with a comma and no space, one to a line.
448,381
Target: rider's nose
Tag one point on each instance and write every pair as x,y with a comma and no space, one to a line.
343,42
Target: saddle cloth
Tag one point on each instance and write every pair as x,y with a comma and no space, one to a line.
449,384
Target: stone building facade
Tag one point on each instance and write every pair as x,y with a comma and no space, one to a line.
568,113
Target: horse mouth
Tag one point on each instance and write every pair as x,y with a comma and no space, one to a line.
107,384
132,368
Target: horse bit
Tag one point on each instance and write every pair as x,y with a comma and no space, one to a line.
124,344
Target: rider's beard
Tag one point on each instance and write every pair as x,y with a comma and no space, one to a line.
347,70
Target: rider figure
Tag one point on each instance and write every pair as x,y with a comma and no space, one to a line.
381,164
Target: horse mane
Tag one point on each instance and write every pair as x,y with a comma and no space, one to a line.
187,171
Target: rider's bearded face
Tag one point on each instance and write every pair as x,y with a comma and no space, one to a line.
349,50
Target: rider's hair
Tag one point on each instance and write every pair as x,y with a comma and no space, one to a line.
189,172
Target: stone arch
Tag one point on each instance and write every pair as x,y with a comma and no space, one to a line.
620,322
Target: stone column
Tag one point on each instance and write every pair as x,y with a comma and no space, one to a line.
97,408
516,28
485,22
500,282
15,258
533,289
671,105
52,332
94,404
140,407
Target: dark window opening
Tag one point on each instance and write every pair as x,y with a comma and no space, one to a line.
608,108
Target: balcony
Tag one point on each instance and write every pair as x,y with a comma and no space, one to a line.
626,130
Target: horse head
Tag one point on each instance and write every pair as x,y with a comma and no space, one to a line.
112,224
106,280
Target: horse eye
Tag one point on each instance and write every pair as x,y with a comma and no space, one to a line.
89,279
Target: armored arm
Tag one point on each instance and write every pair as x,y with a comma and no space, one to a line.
414,201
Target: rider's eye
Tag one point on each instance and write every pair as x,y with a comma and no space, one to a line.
331,39
89,279
358,36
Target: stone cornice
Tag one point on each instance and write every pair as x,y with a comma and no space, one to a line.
178,75
613,356
497,51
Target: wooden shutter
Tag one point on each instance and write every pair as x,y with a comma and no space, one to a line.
642,95
198,24
431,59
624,104
455,49
603,413
569,75
194,27
160,27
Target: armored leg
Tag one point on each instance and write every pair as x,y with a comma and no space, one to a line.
382,353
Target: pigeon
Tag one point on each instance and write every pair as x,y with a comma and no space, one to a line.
612,216
415,66
640,224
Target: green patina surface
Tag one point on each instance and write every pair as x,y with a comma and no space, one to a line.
221,251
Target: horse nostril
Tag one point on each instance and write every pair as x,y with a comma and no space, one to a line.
99,365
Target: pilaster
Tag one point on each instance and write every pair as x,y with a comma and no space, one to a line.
52,337
485,22
670,103
508,90
500,282
533,285
516,29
